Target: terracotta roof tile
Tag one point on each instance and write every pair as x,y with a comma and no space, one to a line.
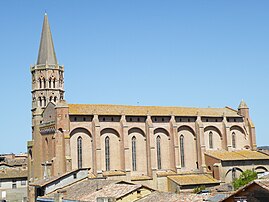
113,173
172,197
113,190
193,179
165,173
81,109
237,155
83,188
13,173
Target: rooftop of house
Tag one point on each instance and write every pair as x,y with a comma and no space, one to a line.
13,160
13,173
193,179
172,197
44,182
90,189
263,183
116,191
237,155
105,109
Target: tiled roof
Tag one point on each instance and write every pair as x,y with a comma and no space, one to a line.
165,173
83,188
237,155
113,173
113,190
13,173
263,183
172,197
260,182
193,179
81,109
139,178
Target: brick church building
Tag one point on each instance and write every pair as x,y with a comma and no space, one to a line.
134,143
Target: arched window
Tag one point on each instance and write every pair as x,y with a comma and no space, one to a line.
55,99
50,98
40,101
210,140
46,149
159,163
233,140
79,148
182,157
44,81
54,83
134,153
45,101
40,83
50,83
107,154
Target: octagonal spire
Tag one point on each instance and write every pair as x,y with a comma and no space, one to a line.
46,53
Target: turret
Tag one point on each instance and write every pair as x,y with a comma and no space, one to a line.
243,109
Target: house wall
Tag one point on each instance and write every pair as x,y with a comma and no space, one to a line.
66,180
10,193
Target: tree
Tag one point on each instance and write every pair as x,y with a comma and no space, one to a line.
245,177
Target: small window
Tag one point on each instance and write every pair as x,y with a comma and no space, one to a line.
104,119
75,175
234,120
155,119
216,120
206,120
14,184
162,119
131,119
138,119
75,119
112,119
84,119
188,120
23,182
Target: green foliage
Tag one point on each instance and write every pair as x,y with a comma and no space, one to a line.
245,177
198,189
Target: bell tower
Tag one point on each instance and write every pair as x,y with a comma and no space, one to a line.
47,74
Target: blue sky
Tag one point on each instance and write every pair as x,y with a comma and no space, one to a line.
180,53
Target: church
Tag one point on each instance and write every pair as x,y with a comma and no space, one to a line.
144,144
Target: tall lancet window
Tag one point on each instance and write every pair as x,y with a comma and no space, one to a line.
79,147
210,140
54,83
44,101
40,101
134,153
182,157
50,83
159,160
44,83
107,153
233,140
40,83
